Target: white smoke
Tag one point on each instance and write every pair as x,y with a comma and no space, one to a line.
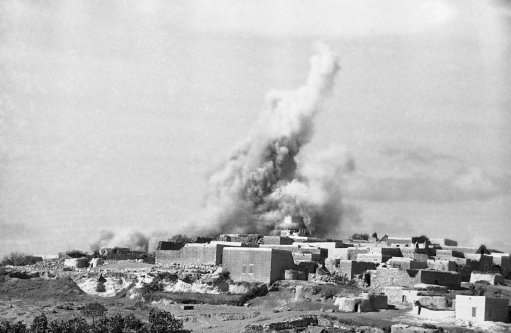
132,239
262,182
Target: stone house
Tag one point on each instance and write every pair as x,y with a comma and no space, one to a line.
503,262
399,241
415,254
361,303
481,308
349,253
277,240
384,277
491,278
442,265
351,268
405,263
191,254
256,264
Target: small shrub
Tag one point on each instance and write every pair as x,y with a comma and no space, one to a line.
93,310
56,326
163,322
153,286
5,326
75,325
116,324
102,325
133,323
39,324
328,291
100,287
19,327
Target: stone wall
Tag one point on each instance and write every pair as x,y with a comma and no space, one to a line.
405,328
386,251
442,265
385,277
448,279
277,240
405,263
351,268
191,254
503,261
481,308
491,278
248,264
415,254
372,257
448,254
349,253
362,303
280,261
257,264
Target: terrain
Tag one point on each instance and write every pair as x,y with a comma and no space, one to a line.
24,296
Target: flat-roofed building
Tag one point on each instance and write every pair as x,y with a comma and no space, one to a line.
482,308
191,254
349,253
256,264
399,242
405,263
443,242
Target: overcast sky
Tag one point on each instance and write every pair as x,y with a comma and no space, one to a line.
113,113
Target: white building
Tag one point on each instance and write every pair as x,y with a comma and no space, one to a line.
481,308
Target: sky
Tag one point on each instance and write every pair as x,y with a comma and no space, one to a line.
114,113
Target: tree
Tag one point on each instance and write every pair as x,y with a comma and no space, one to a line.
374,235
93,310
483,249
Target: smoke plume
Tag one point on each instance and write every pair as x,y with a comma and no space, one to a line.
134,240
266,179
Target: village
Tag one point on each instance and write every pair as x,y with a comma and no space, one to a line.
436,282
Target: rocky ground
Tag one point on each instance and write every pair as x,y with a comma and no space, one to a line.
61,295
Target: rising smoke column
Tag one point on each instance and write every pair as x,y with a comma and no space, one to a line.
262,183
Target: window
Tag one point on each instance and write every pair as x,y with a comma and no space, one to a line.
474,311
251,269
243,269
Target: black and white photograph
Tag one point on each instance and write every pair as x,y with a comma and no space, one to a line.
255,166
